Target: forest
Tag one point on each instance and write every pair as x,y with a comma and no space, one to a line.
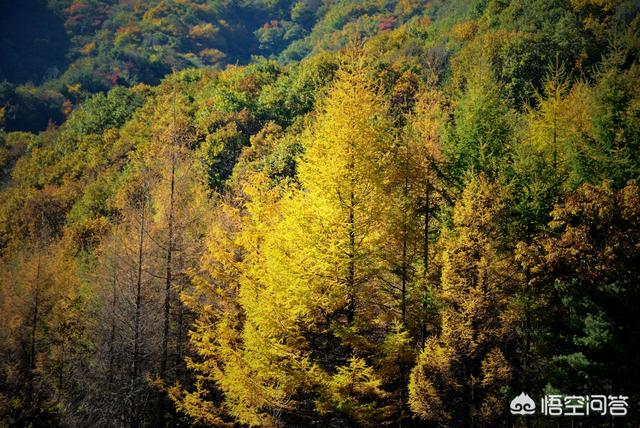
319,213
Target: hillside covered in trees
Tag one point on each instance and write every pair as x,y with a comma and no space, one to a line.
318,212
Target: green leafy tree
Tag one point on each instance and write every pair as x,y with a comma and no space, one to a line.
582,276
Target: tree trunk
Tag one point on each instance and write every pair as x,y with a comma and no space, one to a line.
34,328
168,283
179,338
425,256
351,269
351,272
112,336
136,338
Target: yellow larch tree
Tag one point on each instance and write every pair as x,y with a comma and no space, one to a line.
311,330
311,292
460,374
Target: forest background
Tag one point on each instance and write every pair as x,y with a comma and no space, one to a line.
317,212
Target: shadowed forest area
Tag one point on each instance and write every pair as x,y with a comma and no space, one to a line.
331,213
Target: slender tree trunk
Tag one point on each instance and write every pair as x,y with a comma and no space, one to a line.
112,336
425,256
169,279
34,328
61,369
179,338
557,95
555,144
136,337
427,213
404,281
168,263
351,273
404,369
527,317
351,270
405,192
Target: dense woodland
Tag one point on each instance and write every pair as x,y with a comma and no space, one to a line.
317,212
